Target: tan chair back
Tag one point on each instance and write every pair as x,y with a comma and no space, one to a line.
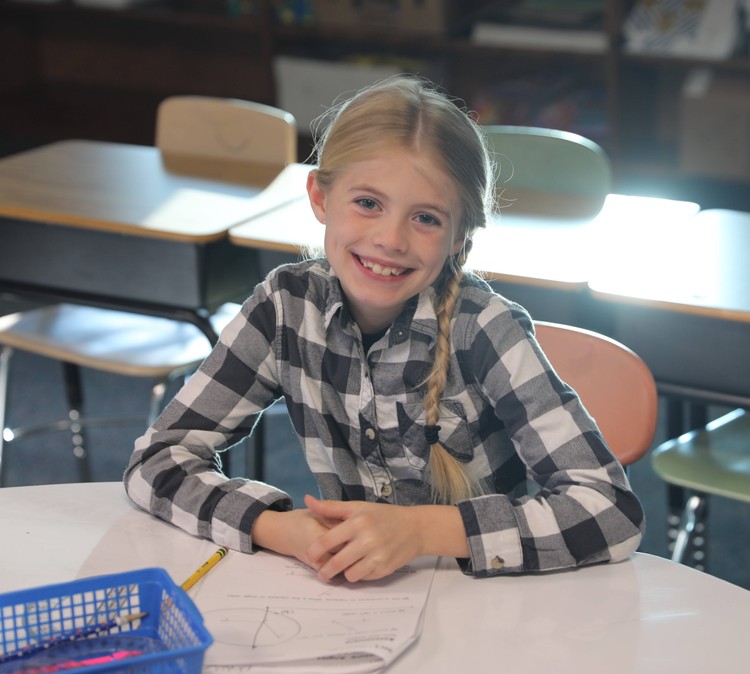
217,137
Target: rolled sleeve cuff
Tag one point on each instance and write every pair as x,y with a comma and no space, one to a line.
234,517
493,536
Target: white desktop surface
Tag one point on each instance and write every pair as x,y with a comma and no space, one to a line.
644,615
523,248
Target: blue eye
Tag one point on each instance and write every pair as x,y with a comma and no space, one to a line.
427,219
369,204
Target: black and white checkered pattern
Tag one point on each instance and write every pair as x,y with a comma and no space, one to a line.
556,496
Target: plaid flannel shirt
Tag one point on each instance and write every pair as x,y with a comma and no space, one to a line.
556,497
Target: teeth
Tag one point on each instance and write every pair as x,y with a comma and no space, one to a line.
381,271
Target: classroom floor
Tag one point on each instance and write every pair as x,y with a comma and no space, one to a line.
37,395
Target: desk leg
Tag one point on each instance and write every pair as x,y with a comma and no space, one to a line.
6,353
204,324
74,395
693,550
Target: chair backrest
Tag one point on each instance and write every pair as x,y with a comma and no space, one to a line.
549,172
614,384
225,131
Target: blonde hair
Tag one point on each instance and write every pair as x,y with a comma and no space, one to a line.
409,112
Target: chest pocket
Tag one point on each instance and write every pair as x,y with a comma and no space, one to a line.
454,432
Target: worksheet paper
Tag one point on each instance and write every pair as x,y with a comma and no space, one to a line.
271,614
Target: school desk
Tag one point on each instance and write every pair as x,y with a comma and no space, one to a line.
668,280
646,615
514,247
679,295
538,257
128,227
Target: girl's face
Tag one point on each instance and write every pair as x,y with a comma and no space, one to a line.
391,223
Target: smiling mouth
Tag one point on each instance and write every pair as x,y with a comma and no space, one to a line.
382,270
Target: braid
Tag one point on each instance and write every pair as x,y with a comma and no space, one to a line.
450,481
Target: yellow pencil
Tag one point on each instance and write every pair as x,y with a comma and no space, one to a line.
205,568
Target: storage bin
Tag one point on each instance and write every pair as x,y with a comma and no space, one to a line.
170,638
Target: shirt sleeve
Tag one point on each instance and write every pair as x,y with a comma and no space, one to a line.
581,509
174,470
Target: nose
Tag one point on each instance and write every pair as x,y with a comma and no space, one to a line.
392,234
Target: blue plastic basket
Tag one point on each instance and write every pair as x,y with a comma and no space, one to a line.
173,627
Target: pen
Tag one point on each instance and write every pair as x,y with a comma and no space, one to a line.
71,636
205,568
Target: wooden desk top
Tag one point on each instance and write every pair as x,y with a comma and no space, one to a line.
699,265
519,248
135,189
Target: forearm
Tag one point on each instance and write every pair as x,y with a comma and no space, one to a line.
270,532
442,530
288,533
181,485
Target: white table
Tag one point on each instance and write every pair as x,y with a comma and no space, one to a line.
682,303
644,615
562,253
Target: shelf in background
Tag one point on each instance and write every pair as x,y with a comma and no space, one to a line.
101,72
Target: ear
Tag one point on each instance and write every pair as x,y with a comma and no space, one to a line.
317,196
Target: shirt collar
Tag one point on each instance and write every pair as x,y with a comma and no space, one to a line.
335,298
418,315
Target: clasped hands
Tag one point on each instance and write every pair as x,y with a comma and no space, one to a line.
360,539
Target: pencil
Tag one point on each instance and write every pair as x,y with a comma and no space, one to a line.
205,568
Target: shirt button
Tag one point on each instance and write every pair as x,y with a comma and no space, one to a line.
497,563
370,434
386,490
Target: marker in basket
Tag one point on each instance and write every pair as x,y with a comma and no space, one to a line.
86,662
205,568
75,635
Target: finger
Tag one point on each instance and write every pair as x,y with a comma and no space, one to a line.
317,560
367,567
326,522
345,561
329,544
362,570
337,510
336,551
316,565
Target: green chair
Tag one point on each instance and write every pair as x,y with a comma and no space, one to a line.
547,172
710,461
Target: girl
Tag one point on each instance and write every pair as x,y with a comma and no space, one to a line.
433,423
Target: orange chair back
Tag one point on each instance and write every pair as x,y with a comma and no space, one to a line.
614,384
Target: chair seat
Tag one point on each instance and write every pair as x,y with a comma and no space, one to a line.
112,341
714,460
